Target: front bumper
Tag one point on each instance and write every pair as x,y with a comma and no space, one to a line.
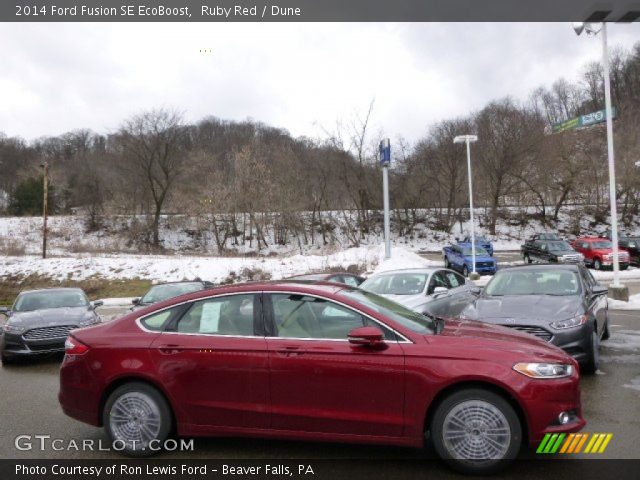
544,401
574,341
13,345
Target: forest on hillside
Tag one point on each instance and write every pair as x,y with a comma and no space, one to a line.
155,164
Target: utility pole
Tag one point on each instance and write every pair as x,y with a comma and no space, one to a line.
385,160
45,183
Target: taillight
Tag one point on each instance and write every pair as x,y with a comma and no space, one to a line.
73,346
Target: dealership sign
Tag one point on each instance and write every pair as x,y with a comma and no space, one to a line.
582,121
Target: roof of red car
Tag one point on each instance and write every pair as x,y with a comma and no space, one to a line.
318,287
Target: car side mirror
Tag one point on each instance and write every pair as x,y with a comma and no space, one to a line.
599,290
438,291
5,311
371,337
136,301
97,303
475,290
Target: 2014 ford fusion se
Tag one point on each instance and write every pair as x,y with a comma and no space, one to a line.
318,362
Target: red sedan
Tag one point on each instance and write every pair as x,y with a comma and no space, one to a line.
318,362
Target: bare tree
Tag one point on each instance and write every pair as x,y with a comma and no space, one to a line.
153,146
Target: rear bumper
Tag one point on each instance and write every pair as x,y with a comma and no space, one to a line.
79,393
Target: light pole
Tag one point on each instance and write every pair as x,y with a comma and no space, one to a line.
45,193
385,160
468,139
618,290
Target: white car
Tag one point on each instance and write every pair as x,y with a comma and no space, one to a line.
436,291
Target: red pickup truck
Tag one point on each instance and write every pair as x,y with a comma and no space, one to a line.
598,252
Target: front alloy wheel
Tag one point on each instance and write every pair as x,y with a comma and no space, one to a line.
476,431
137,417
597,264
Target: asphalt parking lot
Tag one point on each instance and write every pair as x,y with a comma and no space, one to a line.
610,398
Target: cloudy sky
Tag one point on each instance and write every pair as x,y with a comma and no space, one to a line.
301,77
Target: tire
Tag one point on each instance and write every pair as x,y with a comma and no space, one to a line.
597,264
527,259
465,271
467,450
591,364
446,263
606,334
124,406
624,267
7,360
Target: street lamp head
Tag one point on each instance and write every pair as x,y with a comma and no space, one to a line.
589,27
578,27
465,138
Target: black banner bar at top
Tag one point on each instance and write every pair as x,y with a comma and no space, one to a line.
318,10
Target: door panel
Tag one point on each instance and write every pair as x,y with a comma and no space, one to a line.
213,365
326,384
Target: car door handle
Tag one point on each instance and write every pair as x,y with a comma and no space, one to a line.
170,349
289,350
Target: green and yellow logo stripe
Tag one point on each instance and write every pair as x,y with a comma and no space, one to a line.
574,443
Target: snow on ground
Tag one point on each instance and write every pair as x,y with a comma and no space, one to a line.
632,304
402,258
178,267
193,236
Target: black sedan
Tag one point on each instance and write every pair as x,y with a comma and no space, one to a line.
40,320
561,304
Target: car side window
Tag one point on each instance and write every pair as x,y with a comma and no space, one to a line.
585,245
438,279
226,315
157,321
305,316
454,280
351,281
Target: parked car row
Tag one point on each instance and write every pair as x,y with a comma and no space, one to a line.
478,371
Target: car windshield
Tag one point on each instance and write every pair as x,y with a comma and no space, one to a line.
390,309
169,290
548,236
396,283
533,282
27,302
466,251
559,247
603,244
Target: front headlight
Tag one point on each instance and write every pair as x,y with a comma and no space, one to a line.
14,329
544,370
570,322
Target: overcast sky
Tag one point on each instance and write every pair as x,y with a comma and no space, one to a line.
302,77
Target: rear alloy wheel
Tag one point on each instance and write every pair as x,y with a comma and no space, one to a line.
597,264
465,271
527,259
135,415
591,364
446,263
476,431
